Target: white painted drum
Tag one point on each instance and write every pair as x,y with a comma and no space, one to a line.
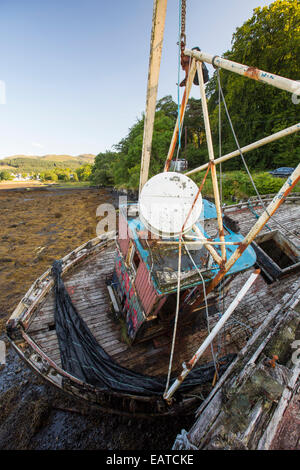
165,202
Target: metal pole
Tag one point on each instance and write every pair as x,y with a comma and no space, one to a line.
182,111
189,366
209,248
157,35
251,72
211,158
194,241
247,148
258,226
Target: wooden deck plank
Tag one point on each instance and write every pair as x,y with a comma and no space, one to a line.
88,291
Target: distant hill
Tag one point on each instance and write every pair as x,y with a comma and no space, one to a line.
89,158
35,163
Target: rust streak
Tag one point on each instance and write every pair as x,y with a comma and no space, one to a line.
252,72
192,362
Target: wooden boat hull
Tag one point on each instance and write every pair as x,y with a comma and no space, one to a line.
31,331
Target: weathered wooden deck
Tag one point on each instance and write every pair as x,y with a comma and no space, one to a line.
272,311
262,297
87,288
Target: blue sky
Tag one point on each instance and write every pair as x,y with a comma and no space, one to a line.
75,71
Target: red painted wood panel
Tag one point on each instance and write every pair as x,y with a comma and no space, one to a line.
145,288
124,244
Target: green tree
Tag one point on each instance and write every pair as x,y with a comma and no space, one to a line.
102,171
126,167
74,177
168,107
84,172
270,41
48,176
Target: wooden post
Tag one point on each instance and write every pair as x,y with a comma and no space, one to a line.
209,248
157,35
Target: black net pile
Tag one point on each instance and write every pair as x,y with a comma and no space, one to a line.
84,358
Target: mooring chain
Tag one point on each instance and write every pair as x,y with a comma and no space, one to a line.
185,61
183,18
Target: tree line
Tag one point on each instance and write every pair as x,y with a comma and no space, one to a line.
269,40
36,164
82,173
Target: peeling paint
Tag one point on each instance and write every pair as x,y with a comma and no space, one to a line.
252,72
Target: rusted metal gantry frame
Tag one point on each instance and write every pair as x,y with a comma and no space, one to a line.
225,265
282,83
265,216
251,72
193,68
291,86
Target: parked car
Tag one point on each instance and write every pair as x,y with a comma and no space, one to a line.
283,171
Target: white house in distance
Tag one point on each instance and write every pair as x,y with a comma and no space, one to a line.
19,177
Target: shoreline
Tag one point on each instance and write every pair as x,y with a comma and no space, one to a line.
42,187
22,186
38,228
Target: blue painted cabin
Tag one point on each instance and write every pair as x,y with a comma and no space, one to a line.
145,275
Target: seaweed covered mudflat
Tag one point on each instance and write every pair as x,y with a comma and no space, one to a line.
37,227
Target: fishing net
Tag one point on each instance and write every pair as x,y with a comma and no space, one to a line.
83,357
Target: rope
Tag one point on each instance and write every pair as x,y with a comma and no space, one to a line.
206,305
239,322
251,208
176,316
221,287
182,442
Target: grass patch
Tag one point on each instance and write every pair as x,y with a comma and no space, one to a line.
236,185
71,184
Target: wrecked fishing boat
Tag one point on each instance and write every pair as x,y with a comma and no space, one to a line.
255,404
134,321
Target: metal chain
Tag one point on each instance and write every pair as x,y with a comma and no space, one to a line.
183,19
